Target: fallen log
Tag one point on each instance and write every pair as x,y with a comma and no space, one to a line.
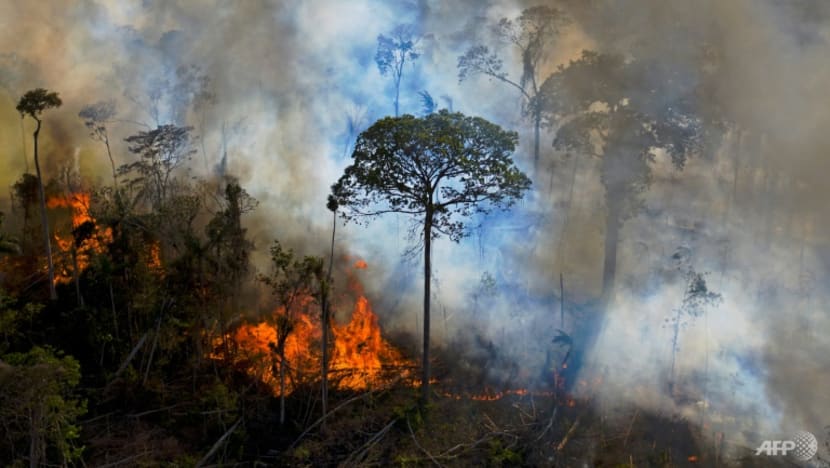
218,444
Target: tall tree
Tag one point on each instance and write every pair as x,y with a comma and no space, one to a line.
530,33
602,110
393,52
33,103
325,307
441,169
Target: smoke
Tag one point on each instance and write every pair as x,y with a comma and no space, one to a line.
294,81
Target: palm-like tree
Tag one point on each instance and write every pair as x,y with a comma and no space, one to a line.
33,103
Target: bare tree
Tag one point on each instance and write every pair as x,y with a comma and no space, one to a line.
96,117
393,52
161,152
530,33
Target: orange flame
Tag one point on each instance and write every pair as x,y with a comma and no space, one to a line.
360,358
360,350
78,204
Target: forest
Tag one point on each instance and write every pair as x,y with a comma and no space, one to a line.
414,233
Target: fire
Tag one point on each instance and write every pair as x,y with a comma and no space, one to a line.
76,258
254,342
154,262
360,358
360,350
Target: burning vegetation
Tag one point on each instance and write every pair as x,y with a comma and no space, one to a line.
76,247
361,358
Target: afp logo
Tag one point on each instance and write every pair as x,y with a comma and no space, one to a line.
803,446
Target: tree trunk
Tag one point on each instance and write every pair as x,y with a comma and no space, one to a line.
23,141
45,221
537,124
76,276
112,161
114,314
282,385
675,338
397,97
34,439
326,321
562,300
427,279
609,268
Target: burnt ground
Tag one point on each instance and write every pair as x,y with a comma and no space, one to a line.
386,428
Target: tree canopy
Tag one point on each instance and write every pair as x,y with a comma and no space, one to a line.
34,102
446,164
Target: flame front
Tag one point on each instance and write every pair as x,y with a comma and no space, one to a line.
360,351
94,243
360,358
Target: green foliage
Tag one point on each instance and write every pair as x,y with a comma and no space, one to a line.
443,165
291,281
14,318
37,408
34,102
291,277
502,456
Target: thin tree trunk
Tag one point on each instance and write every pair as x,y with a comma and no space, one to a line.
537,124
34,439
560,243
114,314
398,85
397,96
675,338
562,300
218,443
427,279
282,384
327,320
112,161
609,269
76,277
45,221
23,140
